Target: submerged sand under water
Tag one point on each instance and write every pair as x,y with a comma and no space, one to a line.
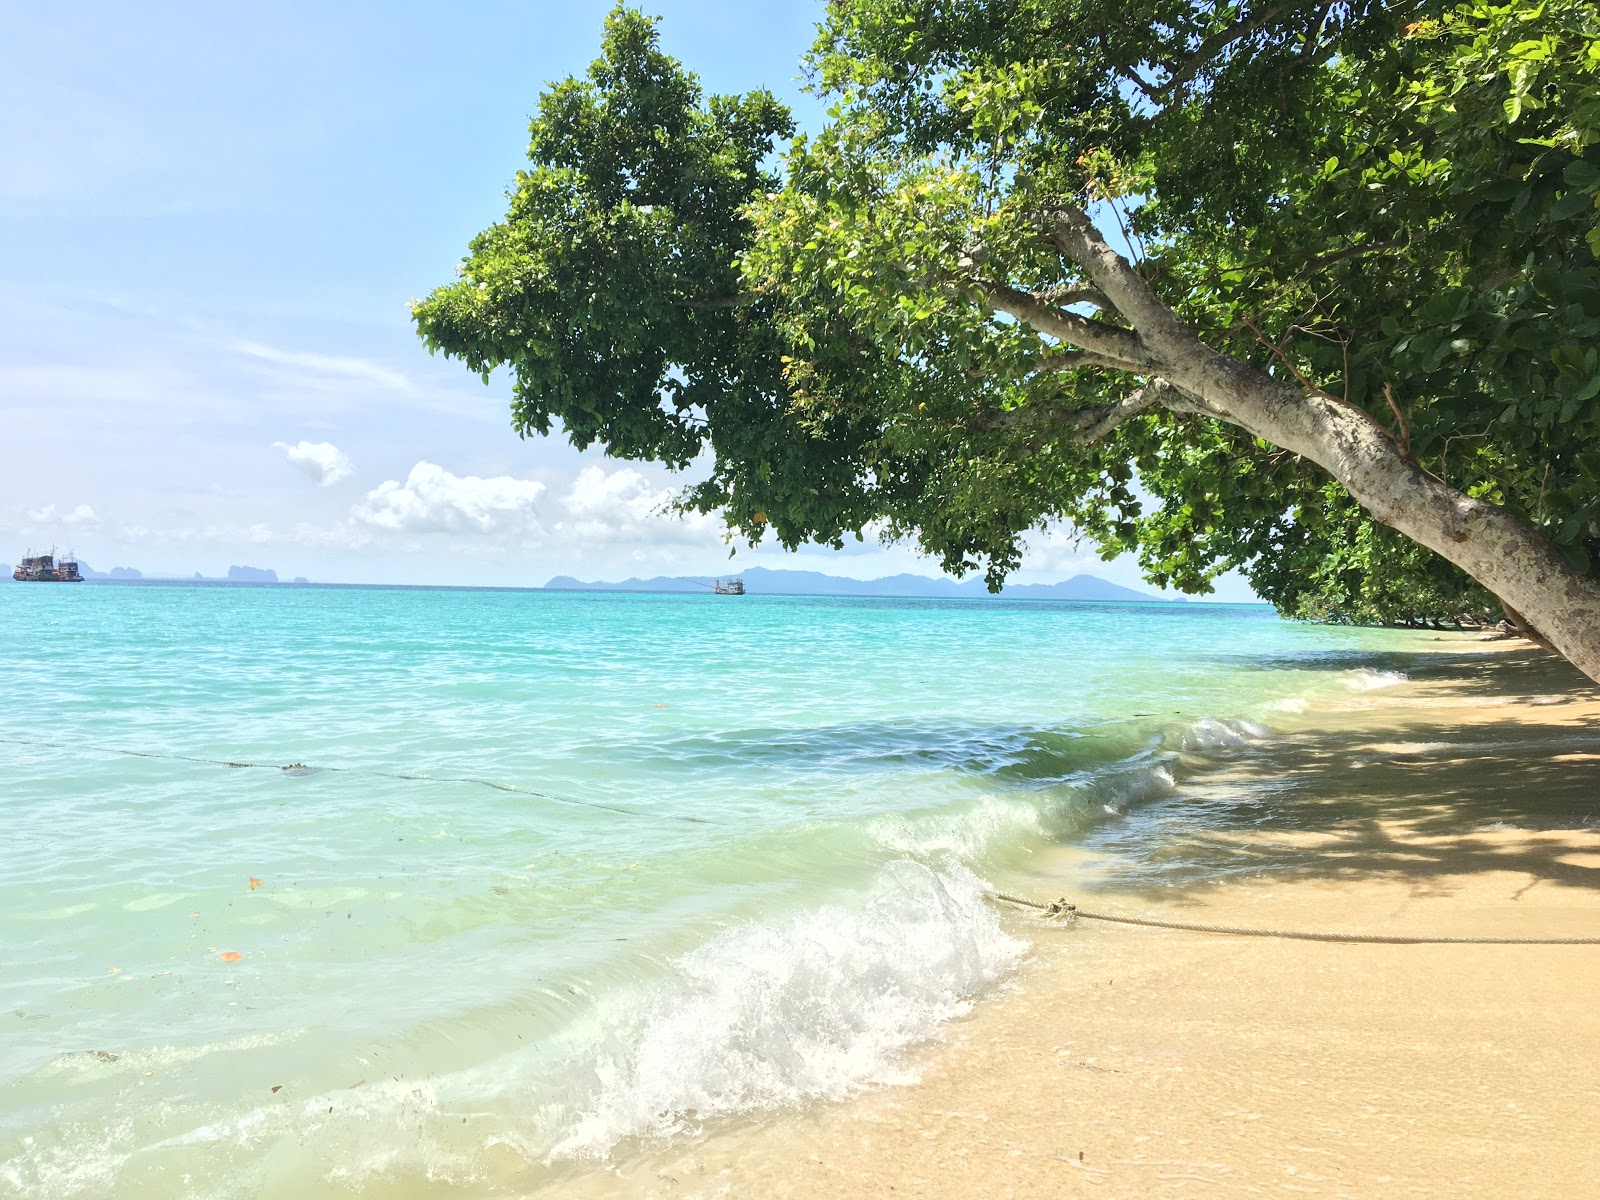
1128,1062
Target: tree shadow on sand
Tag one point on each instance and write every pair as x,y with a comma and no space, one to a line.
1427,797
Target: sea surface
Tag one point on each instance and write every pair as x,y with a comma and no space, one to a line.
319,891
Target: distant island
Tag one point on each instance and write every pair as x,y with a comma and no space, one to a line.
763,581
89,572
252,575
236,574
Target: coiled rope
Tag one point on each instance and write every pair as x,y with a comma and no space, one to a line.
1061,907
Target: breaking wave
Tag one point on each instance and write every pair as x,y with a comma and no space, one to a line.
1369,680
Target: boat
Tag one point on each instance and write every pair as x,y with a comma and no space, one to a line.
43,568
728,587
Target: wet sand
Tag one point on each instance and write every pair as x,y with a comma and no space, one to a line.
1130,1062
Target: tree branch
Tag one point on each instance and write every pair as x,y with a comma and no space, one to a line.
1087,425
1212,46
1315,36
1300,376
1323,262
1066,360
717,302
1076,237
1096,337
1068,297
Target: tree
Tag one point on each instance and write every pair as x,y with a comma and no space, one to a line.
1361,295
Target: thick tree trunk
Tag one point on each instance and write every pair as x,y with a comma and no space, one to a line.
1509,557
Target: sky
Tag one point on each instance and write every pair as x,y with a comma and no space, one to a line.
213,219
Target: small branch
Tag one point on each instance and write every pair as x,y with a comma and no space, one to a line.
1277,353
718,302
1068,360
1097,337
1080,295
1323,261
1212,46
1093,424
1444,456
1315,36
1402,434
1086,425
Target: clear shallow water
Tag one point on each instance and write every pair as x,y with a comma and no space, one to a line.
561,871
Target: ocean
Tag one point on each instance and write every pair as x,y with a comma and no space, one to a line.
314,891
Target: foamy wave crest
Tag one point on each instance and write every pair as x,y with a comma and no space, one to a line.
1369,680
762,1016
1114,793
1215,733
765,1016
968,833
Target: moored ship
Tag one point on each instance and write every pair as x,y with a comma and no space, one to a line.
43,568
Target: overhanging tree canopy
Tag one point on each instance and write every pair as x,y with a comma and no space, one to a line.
1364,286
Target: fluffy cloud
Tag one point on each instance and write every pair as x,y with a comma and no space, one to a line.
322,461
623,506
1059,550
82,515
432,500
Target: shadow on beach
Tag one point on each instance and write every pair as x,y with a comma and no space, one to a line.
1454,774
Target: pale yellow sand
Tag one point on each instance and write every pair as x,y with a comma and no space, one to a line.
1130,1062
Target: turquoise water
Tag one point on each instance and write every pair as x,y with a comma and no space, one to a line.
548,873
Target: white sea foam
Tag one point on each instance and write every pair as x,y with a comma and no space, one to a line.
1216,733
1291,704
967,834
1369,680
764,1016
1113,794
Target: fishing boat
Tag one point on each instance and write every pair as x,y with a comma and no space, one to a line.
728,587
43,568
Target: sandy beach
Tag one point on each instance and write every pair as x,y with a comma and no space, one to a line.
1129,1062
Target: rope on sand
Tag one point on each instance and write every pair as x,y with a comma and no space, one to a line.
1061,907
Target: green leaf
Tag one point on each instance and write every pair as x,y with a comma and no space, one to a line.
1571,205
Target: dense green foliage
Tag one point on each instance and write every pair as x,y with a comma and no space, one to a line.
1395,204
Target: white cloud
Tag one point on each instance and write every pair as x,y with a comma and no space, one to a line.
623,506
1057,552
322,461
343,366
432,500
82,515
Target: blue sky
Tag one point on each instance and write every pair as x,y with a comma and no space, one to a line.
214,218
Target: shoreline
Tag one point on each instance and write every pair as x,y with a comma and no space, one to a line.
1127,1062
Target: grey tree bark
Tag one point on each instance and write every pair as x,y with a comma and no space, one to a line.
1506,555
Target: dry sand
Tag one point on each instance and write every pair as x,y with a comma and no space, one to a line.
1127,1062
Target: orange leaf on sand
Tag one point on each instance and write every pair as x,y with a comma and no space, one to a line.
254,883
230,956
